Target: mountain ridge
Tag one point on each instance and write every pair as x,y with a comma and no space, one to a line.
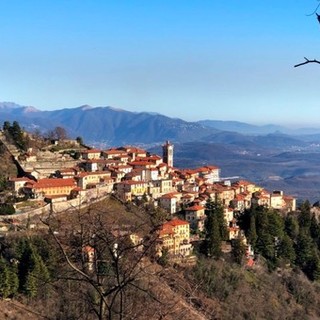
115,126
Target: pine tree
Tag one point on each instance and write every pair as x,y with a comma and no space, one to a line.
213,239
304,249
316,270
215,208
33,273
6,126
275,224
4,279
305,215
315,229
238,250
252,233
13,280
265,245
292,227
286,250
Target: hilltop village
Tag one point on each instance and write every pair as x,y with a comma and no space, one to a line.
56,181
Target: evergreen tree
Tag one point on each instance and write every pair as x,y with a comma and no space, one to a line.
292,227
275,224
252,233
315,229
316,269
238,250
6,126
13,279
215,208
9,281
79,140
33,273
286,249
213,238
4,279
265,245
304,249
305,215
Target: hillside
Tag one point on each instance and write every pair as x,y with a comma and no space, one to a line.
211,289
7,166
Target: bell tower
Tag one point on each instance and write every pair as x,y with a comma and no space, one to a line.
167,153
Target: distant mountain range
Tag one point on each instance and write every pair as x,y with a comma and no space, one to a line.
110,126
246,128
107,125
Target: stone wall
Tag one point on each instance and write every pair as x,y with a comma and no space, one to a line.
86,198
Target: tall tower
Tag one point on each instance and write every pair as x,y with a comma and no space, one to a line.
167,153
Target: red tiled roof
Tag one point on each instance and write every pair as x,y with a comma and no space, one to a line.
87,249
187,196
133,149
91,151
195,208
96,173
177,222
115,151
239,197
168,196
168,226
250,262
140,163
212,167
51,183
289,198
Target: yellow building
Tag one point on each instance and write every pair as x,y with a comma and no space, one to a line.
87,179
174,236
196,216
129,188
49,187
91,154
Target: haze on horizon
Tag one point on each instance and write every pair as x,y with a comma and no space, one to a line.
187,59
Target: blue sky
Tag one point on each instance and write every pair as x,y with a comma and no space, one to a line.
217,59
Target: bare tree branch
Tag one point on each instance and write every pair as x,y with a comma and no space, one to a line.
306,62
314,11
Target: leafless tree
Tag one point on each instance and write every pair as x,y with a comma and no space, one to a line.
58,133
114,273
315,14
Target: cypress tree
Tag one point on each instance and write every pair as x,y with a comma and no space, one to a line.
213,239
215,208
252,233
